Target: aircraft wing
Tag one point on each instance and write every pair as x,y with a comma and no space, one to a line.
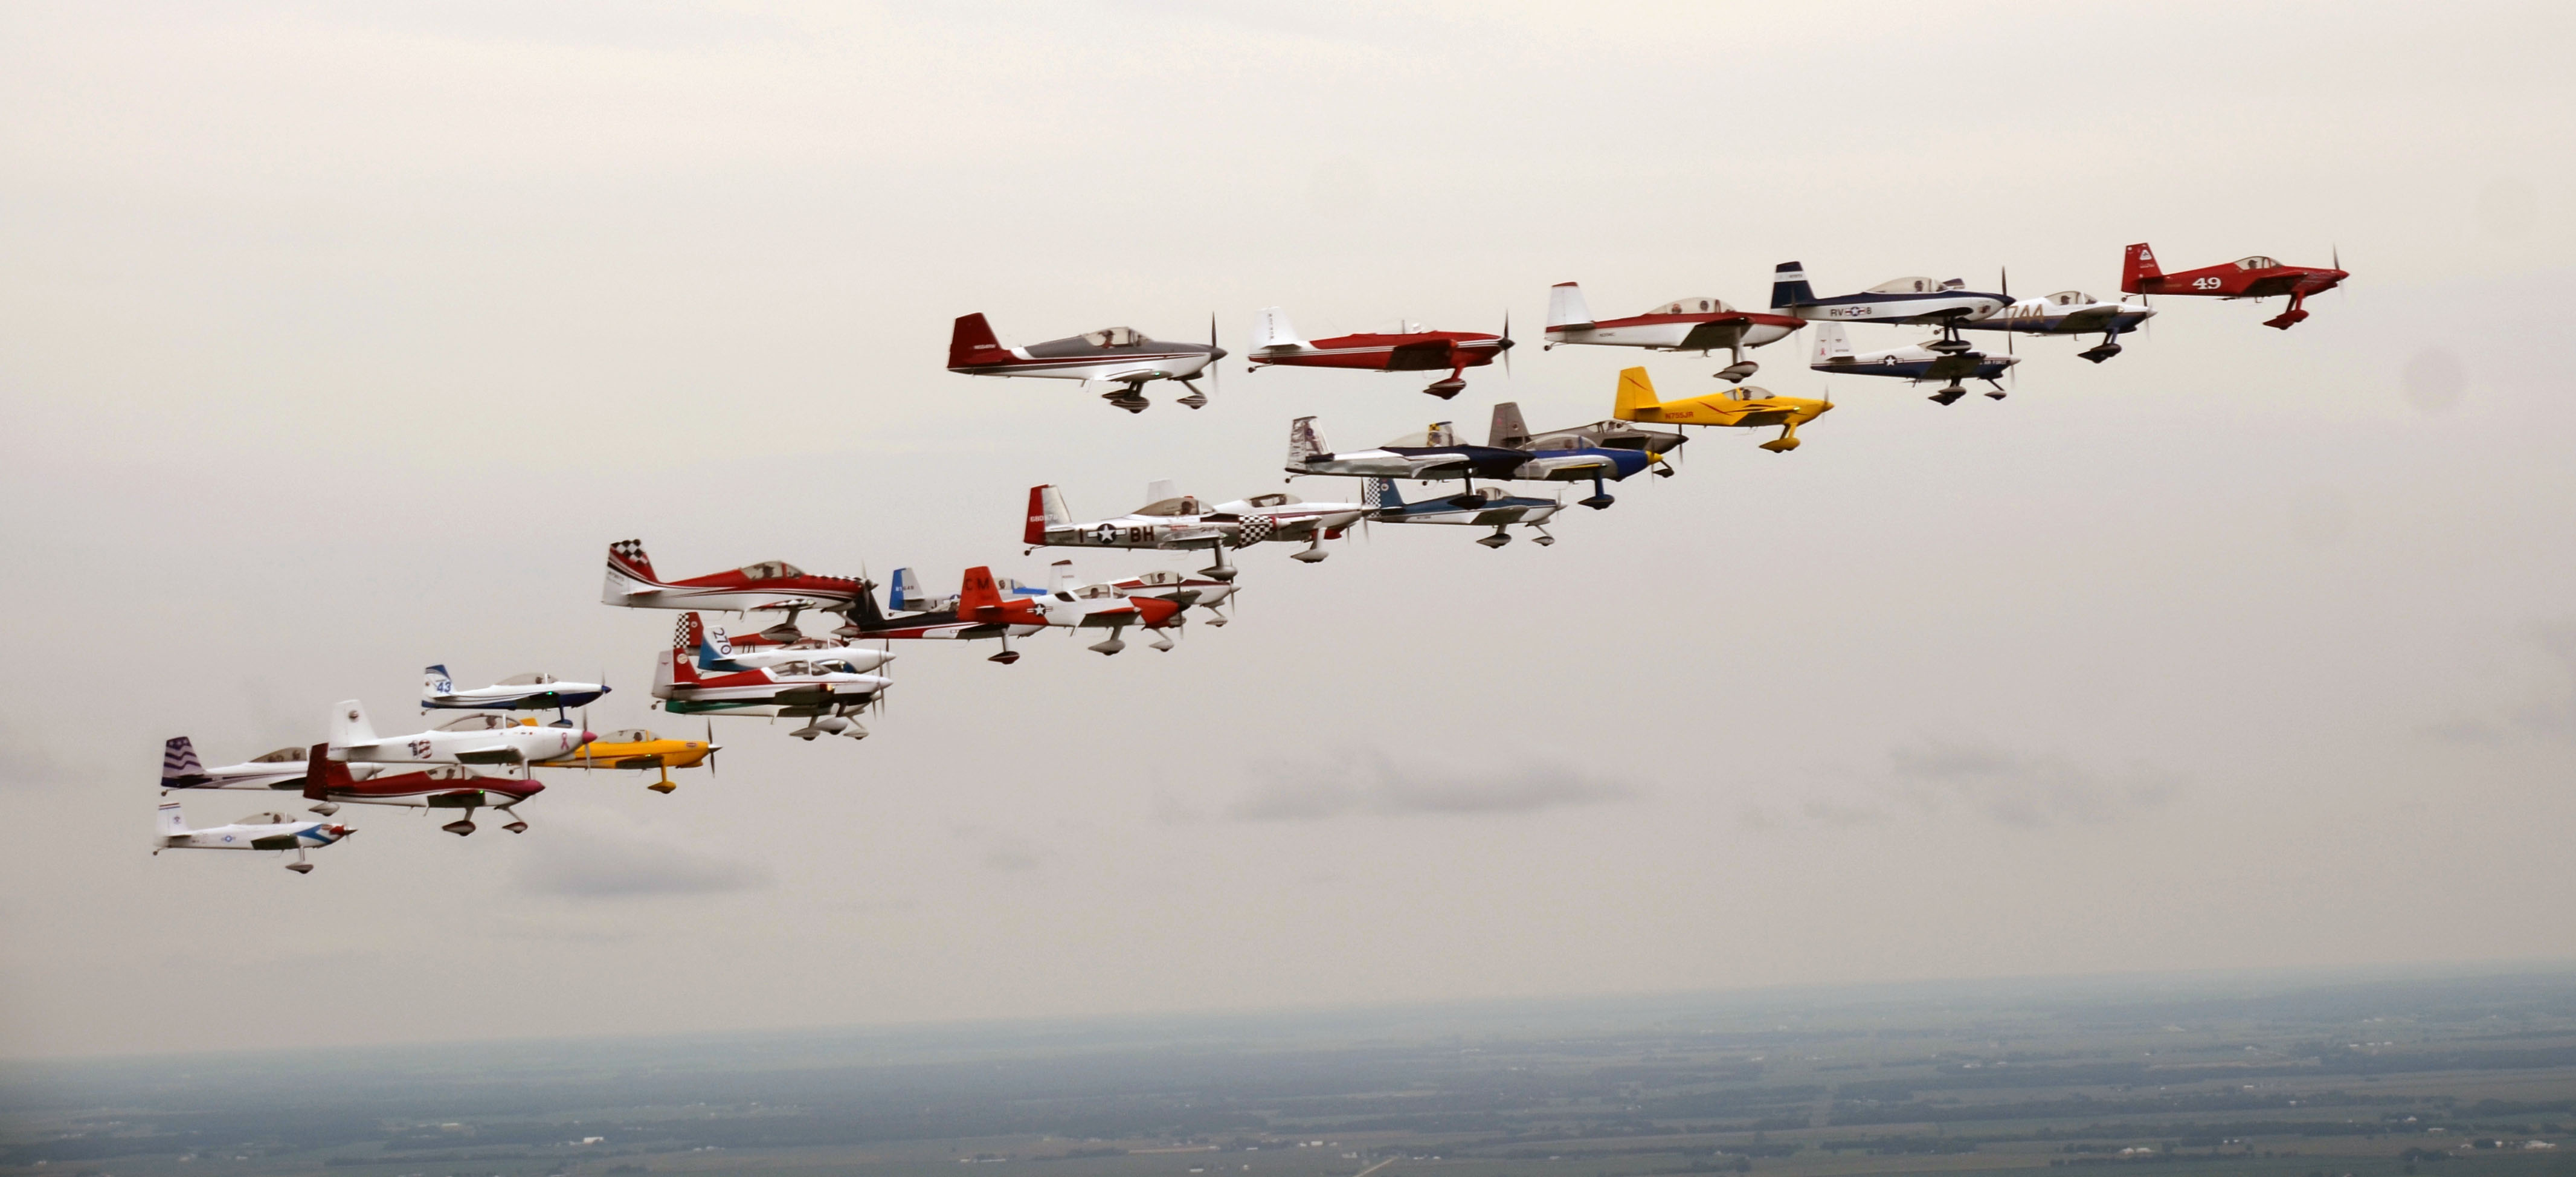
1137,373
1434,465
500,755
274,842
1425,356
1552,466
2088,319
1711,335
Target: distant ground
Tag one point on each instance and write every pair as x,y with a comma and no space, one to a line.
2461,1076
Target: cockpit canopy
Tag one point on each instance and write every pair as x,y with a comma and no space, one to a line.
771,570
1440,433
1097,592
2072,298
1180,505
1914,286
1561,443
628,735
282,756
1272,500
1160,577
262,819
2257,262
1696,305
1113,337
476,723
526,680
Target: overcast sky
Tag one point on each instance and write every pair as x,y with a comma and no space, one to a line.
336,342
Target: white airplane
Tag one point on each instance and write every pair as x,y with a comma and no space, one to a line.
825,691
1698,323
723,652
1119,355
465,740
1173,520
259,831
1919,364
1902,300
1483,506
519,692
281,769
2069,312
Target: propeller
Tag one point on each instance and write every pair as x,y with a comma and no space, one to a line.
1506,347
711,749
1216,371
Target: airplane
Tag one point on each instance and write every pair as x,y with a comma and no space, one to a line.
259,831
2246,277
519,692
2069,312
1483,506
1171,520
719,651
1901,300
1120,355
329,785
767,586
904,595
467,739
1834,357
281,769
1411,347
1698,323
982,611
1508,431
1437,453
638,748
1180,588
1742,406
825,692
1207,592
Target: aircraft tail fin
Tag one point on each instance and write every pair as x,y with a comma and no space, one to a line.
1789,286
1046,509
349,724
978,591
971,343
2136,264
904,592
1637,400
714,648
629,569
1380,493
173,823
1060,577
1509,431
434,682
1565,307
323,774
687,637
1304,441
1271,331
1832,343
179,765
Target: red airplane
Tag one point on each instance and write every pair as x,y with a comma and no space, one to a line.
1413,349
769,585
982,611
2246,277
446,786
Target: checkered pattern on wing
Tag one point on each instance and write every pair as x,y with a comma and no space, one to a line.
179,758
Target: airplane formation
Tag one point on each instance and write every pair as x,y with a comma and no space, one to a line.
489,757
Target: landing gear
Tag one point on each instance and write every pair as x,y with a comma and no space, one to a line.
1544,540
460,827
1112,646
829,725
1221,570
1162,642
1444,389
2109,347
1949,395
326,808
300,866
1788,439
1949,344
2292,316
1601,497
1495,540
1314,550
1736,372
1130,397
1196,399
1008,655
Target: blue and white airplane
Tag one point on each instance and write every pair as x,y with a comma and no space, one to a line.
1483,506
519,692
1437,454
1921,364
1902,300
2069,312
259,831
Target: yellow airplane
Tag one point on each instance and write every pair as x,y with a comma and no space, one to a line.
635,747
1743,406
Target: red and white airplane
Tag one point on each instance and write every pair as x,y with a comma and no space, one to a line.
329,785
2246,277
1120,355
1410,348
768,586
825,690
1172,520
1698,323
982,611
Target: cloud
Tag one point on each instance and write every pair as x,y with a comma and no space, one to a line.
1370,784
591,864
2024,789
